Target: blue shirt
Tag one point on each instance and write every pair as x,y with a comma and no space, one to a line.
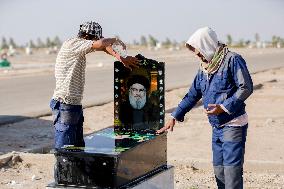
230,86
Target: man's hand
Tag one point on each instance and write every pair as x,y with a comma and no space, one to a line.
214,109
130,62
169,125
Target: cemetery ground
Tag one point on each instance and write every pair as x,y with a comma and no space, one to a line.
189,145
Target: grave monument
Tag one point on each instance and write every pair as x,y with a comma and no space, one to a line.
129,154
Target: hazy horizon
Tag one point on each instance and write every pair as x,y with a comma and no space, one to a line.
32,19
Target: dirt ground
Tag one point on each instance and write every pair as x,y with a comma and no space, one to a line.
189,147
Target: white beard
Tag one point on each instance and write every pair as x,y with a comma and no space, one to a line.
137,102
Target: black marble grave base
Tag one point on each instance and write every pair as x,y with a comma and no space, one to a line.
162,178
110,159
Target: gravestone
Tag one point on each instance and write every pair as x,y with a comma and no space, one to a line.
130,151
139,96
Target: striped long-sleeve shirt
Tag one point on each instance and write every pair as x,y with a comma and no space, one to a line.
70,70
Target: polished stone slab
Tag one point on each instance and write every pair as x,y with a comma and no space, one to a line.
111,158
163,179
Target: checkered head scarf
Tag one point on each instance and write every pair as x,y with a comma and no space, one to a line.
91,28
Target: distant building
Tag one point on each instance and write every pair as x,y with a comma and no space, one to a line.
29,50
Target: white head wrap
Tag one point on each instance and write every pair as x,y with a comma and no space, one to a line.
205,41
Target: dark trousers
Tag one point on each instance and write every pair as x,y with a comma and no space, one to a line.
228,146
68,124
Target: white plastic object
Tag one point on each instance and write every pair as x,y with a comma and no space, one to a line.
118,48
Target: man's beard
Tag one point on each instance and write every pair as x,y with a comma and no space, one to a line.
137,102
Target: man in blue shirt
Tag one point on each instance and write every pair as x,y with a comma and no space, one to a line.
224,83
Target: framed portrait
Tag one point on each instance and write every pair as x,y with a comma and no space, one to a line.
139,102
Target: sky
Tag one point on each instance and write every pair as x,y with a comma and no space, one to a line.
129,19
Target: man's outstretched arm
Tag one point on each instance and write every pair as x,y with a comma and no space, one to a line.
188,102
105,45
101,44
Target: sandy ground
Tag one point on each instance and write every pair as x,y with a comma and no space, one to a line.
189,147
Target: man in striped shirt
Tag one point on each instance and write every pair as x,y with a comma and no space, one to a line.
70,80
